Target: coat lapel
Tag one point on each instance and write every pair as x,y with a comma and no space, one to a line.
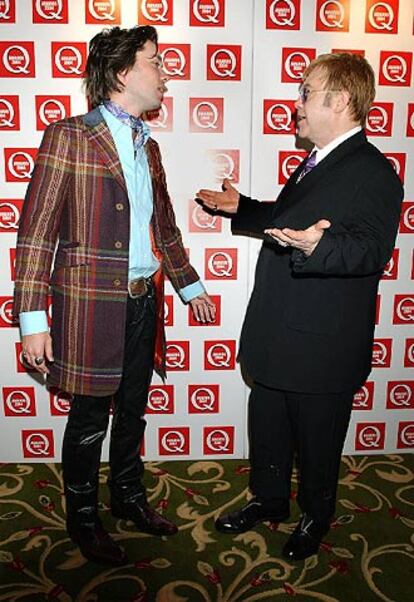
343,150
293,192
100,135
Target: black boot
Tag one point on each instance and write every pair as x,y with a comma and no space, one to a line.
128,497
136,509
81,453
85,528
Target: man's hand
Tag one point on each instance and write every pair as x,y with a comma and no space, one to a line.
226,201
304,240
203,308
37,348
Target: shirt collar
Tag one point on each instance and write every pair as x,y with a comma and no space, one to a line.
136,124
321,153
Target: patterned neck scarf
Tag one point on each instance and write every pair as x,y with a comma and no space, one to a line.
141,131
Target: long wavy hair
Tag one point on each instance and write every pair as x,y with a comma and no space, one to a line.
112,51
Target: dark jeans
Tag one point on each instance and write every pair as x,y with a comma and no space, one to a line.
88,421
283,423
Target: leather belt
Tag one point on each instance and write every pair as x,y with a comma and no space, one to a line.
139,287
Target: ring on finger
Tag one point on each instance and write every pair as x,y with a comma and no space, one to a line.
39,360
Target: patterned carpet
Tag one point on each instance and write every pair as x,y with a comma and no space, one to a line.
367,556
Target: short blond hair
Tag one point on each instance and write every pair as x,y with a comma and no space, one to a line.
349,72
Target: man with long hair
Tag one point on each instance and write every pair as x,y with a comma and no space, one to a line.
99,192
307,336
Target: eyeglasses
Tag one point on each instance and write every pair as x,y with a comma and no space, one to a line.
305,92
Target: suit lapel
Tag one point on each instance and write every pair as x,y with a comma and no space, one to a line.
100,135
293,192
343,150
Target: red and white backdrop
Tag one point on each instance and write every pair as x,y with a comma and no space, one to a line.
235,66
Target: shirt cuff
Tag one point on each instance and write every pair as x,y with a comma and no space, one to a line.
33,322
191,291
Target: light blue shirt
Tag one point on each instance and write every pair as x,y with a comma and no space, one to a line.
142,262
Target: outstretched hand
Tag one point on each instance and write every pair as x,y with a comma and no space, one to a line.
304,240
226,201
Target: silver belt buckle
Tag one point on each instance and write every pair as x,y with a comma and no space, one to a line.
137,288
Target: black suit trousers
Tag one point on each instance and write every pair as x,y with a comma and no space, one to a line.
313,426
89,416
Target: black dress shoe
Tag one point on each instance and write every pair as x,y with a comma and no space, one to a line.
144,517
305,539
98,546
251,514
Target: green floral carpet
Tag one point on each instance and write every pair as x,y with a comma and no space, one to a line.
367,556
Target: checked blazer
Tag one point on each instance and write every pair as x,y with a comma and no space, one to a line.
74,237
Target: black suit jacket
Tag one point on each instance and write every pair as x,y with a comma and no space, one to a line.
310,321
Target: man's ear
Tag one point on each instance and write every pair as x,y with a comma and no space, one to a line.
121,76
341,101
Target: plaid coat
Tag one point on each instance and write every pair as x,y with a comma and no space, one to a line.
77,198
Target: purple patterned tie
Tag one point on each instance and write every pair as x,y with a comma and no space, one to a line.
309,165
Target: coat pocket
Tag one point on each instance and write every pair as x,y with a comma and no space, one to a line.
314,306
70,254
